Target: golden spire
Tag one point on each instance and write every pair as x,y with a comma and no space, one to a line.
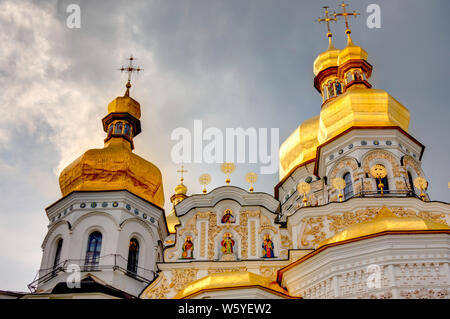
204,180
130,69
327,20
251,178
182,170
180,188
228,168
345,14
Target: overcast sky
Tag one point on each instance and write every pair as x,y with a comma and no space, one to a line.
233,63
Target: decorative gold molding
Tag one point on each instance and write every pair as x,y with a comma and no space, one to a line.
181,277
160,290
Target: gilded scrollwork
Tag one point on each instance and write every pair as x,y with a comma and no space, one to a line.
160,290
226,269
385,155
313,228
341,221
181,277
269,272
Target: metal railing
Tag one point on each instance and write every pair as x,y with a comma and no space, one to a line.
113,262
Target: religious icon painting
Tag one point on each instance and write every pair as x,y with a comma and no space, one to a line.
188,248
268,247
227,243
228,217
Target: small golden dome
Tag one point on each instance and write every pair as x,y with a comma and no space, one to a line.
125,104
300,146
225,280
351,52
326,59
180,189
116,167
384,221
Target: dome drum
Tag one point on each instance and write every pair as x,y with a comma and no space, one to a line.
355,66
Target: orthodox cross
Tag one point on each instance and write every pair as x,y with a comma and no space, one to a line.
130,69
327,20
345,14
182,170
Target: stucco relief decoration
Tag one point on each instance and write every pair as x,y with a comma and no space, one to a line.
313,234
181,277
435,217
345,162
190,226
160,290
341,221
424,293
409,161
266,224
385,155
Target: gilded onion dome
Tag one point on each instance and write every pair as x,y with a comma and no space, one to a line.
300,146
115,166
384,221
342,78
326,59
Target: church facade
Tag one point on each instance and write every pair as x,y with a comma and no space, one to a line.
349,218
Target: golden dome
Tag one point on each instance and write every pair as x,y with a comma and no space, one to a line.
384,221
326,59
361,106
226,280
300,146
125,104
180,189
351,52
116,167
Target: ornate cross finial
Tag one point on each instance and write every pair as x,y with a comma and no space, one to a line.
327,20
345,14
182,170
130,69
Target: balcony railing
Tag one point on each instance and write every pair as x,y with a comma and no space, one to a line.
112,262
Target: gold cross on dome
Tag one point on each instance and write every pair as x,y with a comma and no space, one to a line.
130,69
345,14
182,170
327,20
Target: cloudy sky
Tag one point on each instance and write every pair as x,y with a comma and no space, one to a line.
234,63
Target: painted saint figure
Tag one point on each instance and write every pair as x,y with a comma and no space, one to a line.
188,248
227,243
268,247
228,217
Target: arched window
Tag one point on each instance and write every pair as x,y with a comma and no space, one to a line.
133,256
358,76
118,129
93,249
348,190
126,130
338,87
330,89
349,77
110,130
57,253
411,182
